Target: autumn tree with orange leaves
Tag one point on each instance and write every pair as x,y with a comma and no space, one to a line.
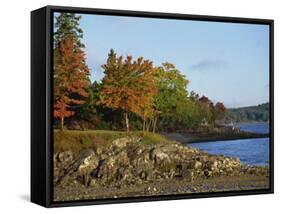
128,85
70,79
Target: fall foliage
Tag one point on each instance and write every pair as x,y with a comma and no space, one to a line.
128,85
134,93
70,79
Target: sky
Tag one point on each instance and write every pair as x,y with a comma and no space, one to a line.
228,62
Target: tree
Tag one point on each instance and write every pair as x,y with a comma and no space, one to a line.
219,111
193,96
128,85
87,112
66,26
70,79
206,108
210,112
171,99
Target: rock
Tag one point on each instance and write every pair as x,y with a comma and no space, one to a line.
229,170
93,183
197,165
143,175
127,162
88,163
159,156
215,164
207,173
194,189
80,168
142,162
139,151
123,174
150,175
55,157
65,157
56,174
122,142
98,150
61,161
111,167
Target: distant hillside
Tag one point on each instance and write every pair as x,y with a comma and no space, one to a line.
259,113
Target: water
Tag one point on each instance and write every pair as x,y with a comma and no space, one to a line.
254,127
249,151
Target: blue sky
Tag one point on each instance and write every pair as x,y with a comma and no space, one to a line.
227,62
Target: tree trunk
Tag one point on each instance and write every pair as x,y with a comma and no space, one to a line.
62,122
148,125
154,124
127,122
143,125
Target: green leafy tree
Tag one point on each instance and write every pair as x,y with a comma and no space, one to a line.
88,110
172,97
218,111
205,106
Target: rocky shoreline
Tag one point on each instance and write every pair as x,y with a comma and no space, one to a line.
127,167
187,137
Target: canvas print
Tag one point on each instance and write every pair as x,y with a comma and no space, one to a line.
152,107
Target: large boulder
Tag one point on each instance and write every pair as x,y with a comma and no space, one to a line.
80,168
61,162
111,166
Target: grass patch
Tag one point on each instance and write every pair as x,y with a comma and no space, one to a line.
152,138
77,140
85,140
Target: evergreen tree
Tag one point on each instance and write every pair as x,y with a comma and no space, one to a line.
66,26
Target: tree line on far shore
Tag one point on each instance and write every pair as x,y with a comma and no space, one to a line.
133,95
258,113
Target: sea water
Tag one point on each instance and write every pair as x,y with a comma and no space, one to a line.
249,151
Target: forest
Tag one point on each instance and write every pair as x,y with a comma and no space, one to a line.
259,113
134,93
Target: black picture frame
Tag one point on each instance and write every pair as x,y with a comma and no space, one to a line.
41,103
